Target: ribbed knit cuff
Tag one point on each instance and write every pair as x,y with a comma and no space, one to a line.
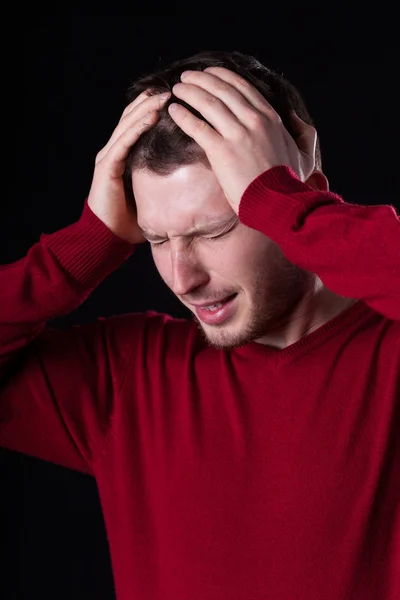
87,249
277,201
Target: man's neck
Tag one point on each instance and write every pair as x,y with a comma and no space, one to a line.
312,312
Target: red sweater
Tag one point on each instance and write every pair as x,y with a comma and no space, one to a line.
253,474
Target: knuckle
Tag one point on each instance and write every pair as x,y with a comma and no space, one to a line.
223,86
255,119
238,133
211,100
146,120
144,113
243,83
201,125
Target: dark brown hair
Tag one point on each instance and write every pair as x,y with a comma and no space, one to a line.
165,147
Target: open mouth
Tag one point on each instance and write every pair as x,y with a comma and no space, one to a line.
217,313
218,305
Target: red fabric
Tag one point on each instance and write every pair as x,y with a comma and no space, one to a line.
253,474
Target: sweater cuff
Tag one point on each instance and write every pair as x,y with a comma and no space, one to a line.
277,201
87,249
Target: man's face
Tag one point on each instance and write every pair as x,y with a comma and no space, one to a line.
198,269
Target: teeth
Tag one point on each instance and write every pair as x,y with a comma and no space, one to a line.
213,306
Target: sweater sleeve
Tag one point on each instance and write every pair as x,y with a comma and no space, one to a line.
55,385
354,249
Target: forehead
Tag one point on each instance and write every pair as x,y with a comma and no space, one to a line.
188,200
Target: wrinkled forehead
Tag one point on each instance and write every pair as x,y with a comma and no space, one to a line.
190,196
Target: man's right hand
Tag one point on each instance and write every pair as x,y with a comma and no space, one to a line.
107,197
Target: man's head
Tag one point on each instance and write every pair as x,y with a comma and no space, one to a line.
177,195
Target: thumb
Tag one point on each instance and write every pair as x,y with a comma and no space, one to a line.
306,135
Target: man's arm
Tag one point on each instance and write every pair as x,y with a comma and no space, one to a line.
53,384
56,388
354,249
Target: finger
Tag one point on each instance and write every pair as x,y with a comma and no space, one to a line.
147,105
252,95
135,102
220,91
139,99
194,127
211,107
120,149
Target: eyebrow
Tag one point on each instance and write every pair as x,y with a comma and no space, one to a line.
209,228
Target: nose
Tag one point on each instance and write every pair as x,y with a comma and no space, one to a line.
187,273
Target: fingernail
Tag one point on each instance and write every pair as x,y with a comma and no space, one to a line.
185,74
165,95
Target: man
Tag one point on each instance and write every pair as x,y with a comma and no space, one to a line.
252,452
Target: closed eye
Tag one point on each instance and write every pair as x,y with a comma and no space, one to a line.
215,237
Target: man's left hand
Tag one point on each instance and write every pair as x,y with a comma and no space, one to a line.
248,136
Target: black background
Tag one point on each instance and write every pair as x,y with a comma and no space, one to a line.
64,84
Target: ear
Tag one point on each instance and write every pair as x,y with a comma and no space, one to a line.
318,181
